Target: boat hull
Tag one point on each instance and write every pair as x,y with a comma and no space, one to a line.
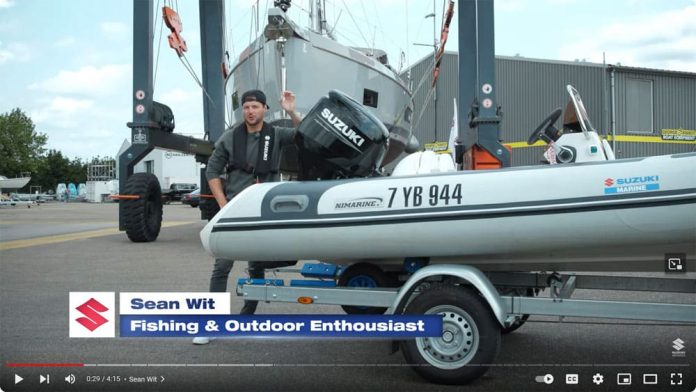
314,65
622,212
13,184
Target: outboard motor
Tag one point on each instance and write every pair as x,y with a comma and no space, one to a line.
339,138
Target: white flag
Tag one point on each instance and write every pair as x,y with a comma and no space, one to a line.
454,133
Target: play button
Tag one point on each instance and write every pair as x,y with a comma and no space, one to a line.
18,379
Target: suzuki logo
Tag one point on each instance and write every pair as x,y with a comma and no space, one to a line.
609,182
678,344
89,313
91,310
342,127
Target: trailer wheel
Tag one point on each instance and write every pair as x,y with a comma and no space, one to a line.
470,338
143,216
363,275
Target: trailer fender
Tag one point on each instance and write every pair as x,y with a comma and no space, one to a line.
465,273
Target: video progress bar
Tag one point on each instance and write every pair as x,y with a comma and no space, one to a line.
672,365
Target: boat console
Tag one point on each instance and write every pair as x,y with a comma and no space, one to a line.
577,140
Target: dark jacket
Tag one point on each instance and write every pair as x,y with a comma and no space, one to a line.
237,178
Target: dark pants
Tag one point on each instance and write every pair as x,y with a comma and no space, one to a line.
221,272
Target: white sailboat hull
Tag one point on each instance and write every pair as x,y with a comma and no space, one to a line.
310,65
12,184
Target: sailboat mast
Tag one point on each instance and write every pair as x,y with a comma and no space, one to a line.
316,15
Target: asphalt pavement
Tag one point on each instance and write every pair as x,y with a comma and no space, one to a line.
50,250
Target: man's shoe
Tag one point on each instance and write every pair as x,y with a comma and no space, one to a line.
200,340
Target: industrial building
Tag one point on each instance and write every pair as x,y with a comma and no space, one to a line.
642,112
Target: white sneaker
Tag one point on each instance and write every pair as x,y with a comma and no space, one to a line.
200,340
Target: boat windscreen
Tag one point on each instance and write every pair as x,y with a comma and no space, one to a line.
580,112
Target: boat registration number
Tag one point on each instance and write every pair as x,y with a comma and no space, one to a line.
418,196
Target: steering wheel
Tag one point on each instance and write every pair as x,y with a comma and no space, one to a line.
544,126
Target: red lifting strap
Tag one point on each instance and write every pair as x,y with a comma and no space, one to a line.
443,40
176,41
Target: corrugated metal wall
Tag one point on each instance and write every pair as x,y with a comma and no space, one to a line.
674,107
447,89
529,89
674,97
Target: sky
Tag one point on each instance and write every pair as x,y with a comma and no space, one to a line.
67,63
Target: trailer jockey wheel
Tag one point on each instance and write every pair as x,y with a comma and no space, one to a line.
143,216
470,338
363,275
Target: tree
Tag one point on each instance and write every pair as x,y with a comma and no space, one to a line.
77,171
52,170
20,145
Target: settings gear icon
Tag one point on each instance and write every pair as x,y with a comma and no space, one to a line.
597,379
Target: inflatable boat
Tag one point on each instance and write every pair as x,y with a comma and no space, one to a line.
615,214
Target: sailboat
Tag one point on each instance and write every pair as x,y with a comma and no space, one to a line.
13,184
309,62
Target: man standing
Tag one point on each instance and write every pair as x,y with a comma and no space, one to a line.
249,154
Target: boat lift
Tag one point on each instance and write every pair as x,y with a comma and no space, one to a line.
140,206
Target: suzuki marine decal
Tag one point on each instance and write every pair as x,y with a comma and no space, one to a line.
614,186
359,203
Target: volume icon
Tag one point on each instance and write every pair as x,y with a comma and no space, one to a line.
70,379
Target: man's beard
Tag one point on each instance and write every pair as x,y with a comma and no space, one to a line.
252,124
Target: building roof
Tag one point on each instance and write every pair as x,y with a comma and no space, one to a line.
583,63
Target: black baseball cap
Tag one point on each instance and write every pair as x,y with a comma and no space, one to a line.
254,95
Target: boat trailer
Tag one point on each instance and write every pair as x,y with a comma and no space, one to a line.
476,307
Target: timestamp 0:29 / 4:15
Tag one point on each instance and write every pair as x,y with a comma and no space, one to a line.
124,379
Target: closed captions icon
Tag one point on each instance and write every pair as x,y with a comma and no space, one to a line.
572,379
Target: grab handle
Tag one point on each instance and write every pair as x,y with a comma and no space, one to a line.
289,203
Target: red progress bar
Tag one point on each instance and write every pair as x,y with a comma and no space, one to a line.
45,365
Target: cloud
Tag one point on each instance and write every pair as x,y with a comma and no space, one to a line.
508,5
62,112
179,95
80,127
69,105
5,56
65,42
116,29
86,145
663,40
14,52
187,105
11,28
88,80
6,3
